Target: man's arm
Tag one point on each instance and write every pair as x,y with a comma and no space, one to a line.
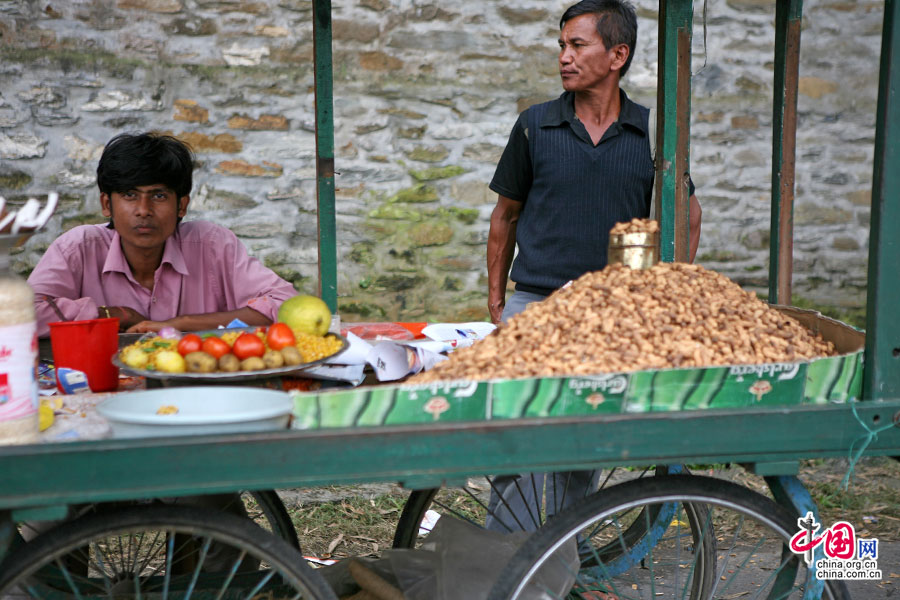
56,285
500,247
694,220
204,321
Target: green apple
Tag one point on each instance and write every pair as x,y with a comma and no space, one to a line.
306,314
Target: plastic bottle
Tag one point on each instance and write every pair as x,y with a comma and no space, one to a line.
18,353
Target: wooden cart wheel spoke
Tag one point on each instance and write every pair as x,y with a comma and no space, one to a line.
161,551
723,541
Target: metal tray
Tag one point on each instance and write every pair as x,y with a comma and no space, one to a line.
227,377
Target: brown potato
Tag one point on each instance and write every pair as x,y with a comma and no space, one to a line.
229,363
200,362
254,363
291,356
273,359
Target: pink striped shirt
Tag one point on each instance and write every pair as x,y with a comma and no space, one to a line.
204,269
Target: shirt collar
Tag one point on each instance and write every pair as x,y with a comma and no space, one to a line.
172,255
563,111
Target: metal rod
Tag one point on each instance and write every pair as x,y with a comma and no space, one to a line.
683,146
788,14
327,236
673,107
881,377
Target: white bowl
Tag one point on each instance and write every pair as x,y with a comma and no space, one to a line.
201,410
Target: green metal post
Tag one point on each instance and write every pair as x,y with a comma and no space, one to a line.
788,15
325,153
882,367
673,106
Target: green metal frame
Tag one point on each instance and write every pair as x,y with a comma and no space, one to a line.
788,17
674,128
882,362
425,456
327,239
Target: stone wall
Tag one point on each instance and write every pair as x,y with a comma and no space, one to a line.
425,96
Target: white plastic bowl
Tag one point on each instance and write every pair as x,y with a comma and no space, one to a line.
201,410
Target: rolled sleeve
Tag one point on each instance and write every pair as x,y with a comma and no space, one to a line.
255,285
57,278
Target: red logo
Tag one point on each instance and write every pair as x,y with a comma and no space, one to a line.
839,540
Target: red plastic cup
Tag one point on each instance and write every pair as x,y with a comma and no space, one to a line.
88,346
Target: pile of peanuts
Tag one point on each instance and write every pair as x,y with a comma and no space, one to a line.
635,226
619,320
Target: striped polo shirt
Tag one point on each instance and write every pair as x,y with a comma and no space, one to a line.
572,191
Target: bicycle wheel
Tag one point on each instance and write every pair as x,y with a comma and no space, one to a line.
160,551
267,510
618,554
263,507
750,532
471,503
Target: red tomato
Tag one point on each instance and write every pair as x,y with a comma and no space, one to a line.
216,346
190,343
247,345
280,336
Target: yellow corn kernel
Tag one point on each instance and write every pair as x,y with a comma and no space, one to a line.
314,347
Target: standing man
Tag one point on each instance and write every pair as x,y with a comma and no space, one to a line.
146,267
573,168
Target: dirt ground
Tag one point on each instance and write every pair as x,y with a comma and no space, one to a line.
338,522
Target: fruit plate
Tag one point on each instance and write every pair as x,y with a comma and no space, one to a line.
220,377
200,410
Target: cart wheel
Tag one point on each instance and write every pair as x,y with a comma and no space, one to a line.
268,511
618,554
160,551
264,507
751,536
470,503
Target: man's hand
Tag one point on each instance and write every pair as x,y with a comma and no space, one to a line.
202,322
696,217
146,326
495,307
128,317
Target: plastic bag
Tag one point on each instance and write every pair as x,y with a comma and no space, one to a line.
461,561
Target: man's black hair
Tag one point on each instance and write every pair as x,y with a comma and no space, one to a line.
616,23
130,160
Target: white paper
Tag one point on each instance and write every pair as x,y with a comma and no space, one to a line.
428,522
458,331
392,361
354,355
352,374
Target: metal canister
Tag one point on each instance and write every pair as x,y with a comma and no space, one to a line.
636,250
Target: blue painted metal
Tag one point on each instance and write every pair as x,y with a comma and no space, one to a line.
793,495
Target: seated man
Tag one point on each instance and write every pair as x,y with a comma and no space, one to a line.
146,267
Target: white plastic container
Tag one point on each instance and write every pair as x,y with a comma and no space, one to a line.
18,353
200,410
